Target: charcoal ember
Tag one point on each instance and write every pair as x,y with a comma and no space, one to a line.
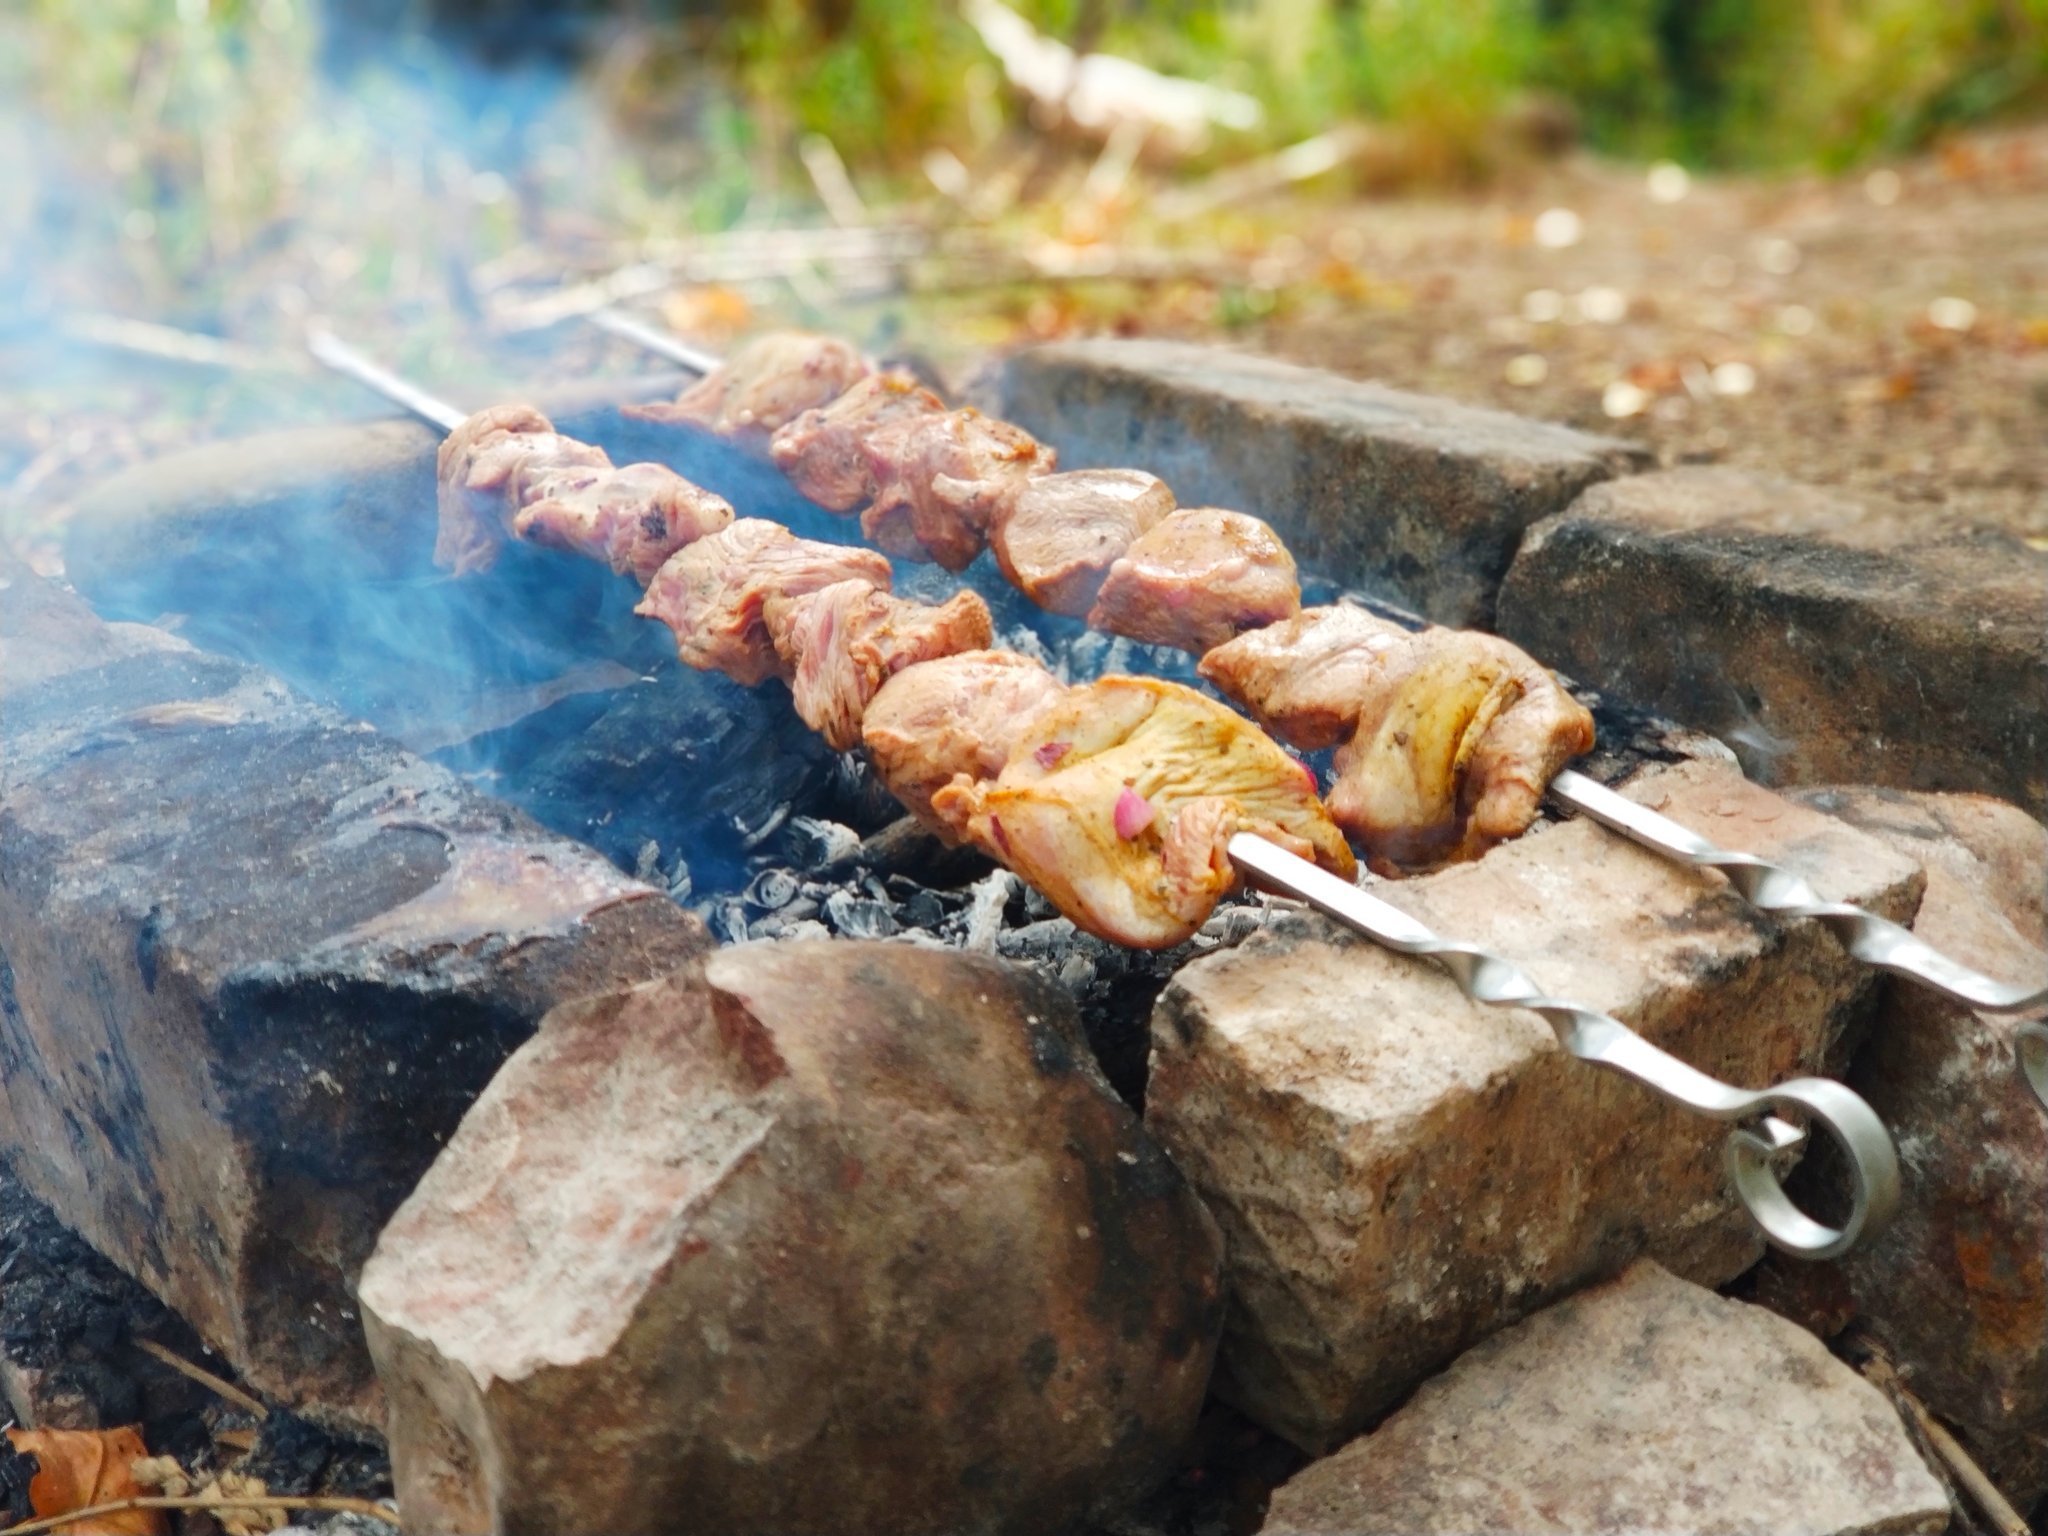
972,1295
296,1456
909,848
773,889
923,909
1048,939
257,961
860,919
812,844
1380,1151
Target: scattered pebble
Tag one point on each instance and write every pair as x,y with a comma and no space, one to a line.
1734,379
1669,182
1949,313
1559,229
1882,187
1603,305
1541,306
1623,399
1527,370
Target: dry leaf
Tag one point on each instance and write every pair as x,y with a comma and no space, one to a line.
241,1521
83,1467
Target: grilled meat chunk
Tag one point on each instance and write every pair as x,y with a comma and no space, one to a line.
712,592
942,481
632,518
764,385
1118,800
825,451
954,718
1196,578
1061,533
1305,678
1458,735
481,470
840,643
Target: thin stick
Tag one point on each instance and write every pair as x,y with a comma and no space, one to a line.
324,1504
205,1378
1961,1466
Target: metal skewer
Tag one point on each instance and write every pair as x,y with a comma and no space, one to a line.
1753,1151
1770,888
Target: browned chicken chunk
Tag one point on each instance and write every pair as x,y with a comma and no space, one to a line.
1196,578
840,643
480,470
943,481
1061,533
1119,801
1305,678
768,383
632,518
1458,736
952,718
712,592
825,451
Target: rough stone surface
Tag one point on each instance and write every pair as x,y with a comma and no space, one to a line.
1644,1404
1957,1289
826,1237
255,962
1421,499
1399,1172
1806,627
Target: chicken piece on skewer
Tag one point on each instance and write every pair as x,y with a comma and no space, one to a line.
824,452
1305,678
942,481
952,718
1458,736
1197,578
841,643
632,518
712,593
1120,798
1061,533
479,471
766,384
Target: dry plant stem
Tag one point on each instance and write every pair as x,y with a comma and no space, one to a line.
224,1389
1961,1466
324,1504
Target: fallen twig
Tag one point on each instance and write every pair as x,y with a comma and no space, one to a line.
323,1503
1962,1468
205,1378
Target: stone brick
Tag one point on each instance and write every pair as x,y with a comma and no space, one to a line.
1399,1172
1957,1289
1644,1404
1421,499
255,962
817,1238
1816,632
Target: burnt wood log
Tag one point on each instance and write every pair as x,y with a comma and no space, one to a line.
255,962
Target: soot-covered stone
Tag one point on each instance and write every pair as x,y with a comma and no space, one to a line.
831,1237
255,962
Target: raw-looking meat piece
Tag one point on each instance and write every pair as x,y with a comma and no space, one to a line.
825,451
840,643
1458,736
1305,678
766,384
943,481
632,518
1197,578
711,593
478,470
1061,533
954,718
1119,800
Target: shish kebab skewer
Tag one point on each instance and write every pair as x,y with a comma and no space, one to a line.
1770,887
1761,1133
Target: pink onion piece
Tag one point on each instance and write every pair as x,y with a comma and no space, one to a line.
1052,752
995,825
1134,813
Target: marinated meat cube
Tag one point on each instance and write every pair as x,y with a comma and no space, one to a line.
840,643
954,718
825,451
1062,533
632,518
1458,736
1119,800
1305,678
478,472
711,593
943,481
767,384
1196,578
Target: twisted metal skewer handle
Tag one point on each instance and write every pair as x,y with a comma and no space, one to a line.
1760,1137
